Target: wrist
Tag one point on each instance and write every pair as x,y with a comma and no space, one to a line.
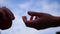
58,21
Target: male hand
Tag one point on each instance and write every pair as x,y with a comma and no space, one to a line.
6,17
41,21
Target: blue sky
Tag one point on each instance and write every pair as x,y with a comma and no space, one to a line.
21,7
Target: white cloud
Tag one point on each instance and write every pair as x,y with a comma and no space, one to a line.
44,6
25,5
4,3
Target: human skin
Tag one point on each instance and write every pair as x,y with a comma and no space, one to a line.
6,18
58,32
41,21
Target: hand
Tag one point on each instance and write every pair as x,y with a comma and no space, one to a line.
58,32
6,17
41,21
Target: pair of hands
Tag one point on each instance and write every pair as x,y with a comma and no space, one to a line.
41,21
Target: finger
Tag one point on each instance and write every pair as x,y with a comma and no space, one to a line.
24,19
8,13
36,17
31,18
27,23
34,13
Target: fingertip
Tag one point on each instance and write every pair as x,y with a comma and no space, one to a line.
31,18
30,13
13,18
24,18
2,7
